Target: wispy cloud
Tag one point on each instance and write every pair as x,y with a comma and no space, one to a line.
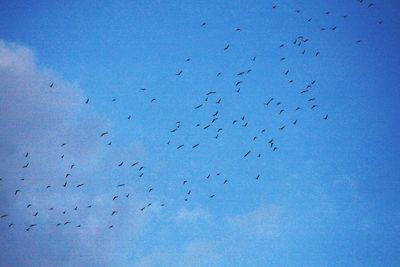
262,221
196,214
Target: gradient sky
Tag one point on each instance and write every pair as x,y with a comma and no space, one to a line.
328,196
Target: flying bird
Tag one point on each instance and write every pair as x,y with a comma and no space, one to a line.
269,101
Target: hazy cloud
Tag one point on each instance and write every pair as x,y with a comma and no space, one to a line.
264,221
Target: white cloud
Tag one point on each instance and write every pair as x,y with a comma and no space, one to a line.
37,119
262,221
194,215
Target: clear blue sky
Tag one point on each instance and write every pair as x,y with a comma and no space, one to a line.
328,196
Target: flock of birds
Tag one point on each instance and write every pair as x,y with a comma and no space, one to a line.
212,122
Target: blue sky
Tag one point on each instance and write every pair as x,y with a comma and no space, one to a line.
328,196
